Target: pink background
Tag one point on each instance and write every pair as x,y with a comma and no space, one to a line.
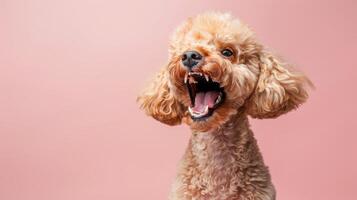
70,70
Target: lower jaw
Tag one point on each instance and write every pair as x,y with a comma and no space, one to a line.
221,117
203,118
204,125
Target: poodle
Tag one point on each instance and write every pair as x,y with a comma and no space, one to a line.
217,75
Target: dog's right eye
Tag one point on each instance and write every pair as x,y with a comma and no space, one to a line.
227,52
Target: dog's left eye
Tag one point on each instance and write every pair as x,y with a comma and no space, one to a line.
227,52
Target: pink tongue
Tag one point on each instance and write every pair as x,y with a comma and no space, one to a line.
205,98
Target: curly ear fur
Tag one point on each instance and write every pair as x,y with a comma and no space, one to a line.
158,101
278,90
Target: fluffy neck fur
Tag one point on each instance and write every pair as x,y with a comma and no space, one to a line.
232,142
224,162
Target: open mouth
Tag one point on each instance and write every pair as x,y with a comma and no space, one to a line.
206,95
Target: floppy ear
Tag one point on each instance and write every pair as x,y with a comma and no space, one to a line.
279,88
158,101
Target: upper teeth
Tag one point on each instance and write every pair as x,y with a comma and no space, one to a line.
195,73
207,77
192,80
219,98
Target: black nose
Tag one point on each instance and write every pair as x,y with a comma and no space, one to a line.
191,59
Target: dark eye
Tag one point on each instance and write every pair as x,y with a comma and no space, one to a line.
227,52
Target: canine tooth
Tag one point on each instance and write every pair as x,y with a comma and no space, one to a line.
185,80
190,110
219,98
206,109
206,77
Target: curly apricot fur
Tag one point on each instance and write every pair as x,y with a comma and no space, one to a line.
222,160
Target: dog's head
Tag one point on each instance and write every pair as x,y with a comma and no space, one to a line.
216,68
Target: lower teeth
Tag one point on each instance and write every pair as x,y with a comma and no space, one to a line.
198,114
219,98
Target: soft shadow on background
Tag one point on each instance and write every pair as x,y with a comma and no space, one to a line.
70,71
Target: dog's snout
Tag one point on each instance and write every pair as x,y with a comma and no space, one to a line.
191,58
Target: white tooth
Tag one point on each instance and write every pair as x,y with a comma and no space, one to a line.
206,77
190,110
195,73
185,80
218,99
206,110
